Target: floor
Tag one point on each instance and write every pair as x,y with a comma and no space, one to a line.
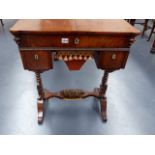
131,94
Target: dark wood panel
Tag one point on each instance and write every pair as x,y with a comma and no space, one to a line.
37,60
111,60
75,41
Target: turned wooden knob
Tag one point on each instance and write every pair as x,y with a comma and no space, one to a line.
77,41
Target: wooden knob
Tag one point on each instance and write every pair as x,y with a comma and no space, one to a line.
77,41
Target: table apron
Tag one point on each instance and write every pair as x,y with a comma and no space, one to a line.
70,49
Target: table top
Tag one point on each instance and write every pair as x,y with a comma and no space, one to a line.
82,26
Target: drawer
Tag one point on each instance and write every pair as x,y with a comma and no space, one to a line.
111,60
37,60
74,41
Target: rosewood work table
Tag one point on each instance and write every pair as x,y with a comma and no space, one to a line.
73,41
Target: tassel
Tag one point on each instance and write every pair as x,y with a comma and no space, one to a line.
89,58
85,57
70,58
75,57
65,58
80,57
60,57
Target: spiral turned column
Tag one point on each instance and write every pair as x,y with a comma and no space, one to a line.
40,98
103,100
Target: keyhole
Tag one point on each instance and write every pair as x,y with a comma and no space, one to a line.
36,57
113,56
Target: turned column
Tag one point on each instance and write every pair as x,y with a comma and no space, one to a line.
40,98
103,100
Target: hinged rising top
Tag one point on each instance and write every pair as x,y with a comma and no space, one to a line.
69,26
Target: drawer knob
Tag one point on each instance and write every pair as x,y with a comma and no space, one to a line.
36,57
77,41
113,56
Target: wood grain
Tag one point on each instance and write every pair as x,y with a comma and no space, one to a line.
55,26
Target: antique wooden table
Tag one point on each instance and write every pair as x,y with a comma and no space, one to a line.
74,42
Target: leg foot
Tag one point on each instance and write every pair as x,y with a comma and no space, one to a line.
41,97
40,111
103,103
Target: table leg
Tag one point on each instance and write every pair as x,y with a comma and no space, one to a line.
152,30
56,57
103,100
145,26
2,22
132,21
40,100
153,48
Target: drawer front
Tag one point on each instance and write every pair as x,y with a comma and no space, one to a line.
111,60
37,60
75,41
